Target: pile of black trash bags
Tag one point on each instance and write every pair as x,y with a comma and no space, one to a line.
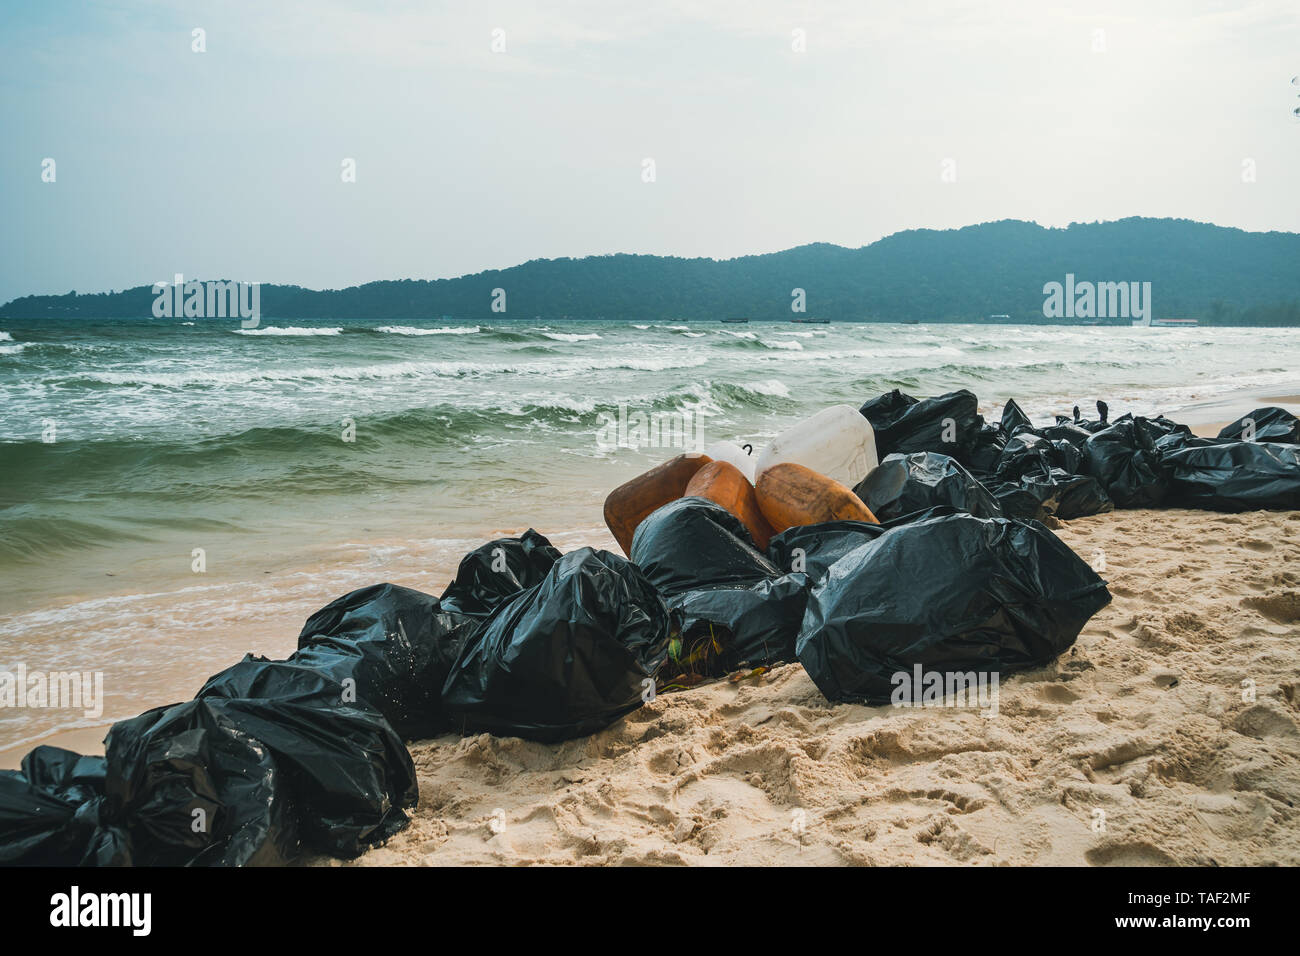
272,759
940,451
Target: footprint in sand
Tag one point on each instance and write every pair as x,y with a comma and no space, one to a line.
1280,606
1128,854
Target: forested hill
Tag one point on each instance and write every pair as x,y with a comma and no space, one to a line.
1196,270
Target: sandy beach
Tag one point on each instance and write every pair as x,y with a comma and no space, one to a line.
1142,746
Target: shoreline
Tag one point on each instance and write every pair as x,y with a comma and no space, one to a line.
280,616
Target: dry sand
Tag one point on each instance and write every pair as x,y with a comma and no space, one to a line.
1139,746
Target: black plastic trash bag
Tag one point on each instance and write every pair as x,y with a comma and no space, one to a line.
953,594
1271,424
398,644
50,812
1066,496
1065,431
693,543
1124,460
565,658
982,457
1015,501
884,412
902,484
1048,471
1013,419
193,788
1174,441
704,563
948,424
1234,476
813,549
1027,452
1155,428
350,775
497,571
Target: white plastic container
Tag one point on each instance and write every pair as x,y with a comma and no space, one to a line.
838,442
734,454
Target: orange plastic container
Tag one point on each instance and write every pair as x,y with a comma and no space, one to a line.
632,502
722,482
791,496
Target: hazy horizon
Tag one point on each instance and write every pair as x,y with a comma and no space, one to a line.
229,162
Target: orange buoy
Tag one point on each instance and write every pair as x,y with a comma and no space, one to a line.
722,483
791,495
632,502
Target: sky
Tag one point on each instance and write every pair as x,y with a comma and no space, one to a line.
769,125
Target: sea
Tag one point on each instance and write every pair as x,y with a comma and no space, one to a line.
177,493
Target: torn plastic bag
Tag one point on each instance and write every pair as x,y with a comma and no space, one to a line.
703,561
565,658
49,812
193,788
398,645
349,773
1235,476
1124,460
1271,424
497,571
1067,496
953,594
903,484
948,424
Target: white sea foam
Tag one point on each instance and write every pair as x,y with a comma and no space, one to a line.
769,386
287,330
413,330
571,336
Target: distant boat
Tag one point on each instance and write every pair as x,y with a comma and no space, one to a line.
1167,323
735,321
812,321
994,318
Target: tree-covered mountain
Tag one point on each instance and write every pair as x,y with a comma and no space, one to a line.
1198,270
